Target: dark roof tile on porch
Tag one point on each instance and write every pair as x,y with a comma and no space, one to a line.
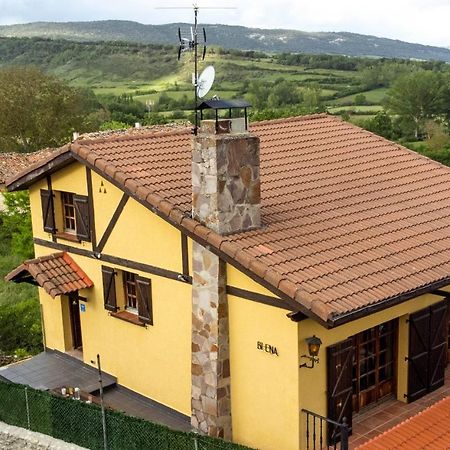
428,429
58,274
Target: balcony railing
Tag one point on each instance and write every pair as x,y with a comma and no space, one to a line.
324,433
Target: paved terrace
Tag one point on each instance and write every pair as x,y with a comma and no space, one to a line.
387,414
51,370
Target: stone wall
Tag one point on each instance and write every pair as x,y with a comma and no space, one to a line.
211,404
225,179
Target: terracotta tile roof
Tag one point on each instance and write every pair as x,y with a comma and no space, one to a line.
13,163
57,273
427,430
351,221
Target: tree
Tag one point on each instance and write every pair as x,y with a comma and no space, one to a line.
37,110
381,124
417,97
16,224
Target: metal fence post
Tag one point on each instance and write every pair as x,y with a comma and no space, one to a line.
195,443
27,405
100,382
344,434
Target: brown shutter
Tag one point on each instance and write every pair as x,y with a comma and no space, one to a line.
438,345
427,350
81,203
419,329
144,298
339,386
109,288
48,214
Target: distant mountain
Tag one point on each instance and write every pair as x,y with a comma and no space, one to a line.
237,37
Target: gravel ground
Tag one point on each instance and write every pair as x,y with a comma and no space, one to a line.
8,442
15,438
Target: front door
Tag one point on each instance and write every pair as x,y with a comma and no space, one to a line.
360,371
74,306
427,350
374,364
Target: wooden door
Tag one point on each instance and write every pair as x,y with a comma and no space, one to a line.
427,350
339,389
74,306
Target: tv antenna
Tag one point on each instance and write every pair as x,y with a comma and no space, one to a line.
191,45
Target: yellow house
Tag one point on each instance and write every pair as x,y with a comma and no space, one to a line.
247,280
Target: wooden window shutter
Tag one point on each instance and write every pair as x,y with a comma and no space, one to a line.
427,350
81,203
109,288
48,213
419,330
438,345
339,386
144,298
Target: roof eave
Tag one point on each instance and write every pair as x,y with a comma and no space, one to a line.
430,288
25,179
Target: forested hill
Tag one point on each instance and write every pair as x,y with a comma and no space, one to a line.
277,41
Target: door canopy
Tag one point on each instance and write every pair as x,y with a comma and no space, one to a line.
57,273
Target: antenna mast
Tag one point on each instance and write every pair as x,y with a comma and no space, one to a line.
188,45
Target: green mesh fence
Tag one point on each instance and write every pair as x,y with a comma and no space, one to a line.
81,423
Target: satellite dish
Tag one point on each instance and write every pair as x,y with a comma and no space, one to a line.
205,81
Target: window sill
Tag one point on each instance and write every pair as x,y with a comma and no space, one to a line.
67,236
128,317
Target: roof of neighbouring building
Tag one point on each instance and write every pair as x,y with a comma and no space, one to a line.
13,163
58,274
428,429
352,222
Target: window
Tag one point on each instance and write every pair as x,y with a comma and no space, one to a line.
68,211
66,215
129,285
374,364
133,303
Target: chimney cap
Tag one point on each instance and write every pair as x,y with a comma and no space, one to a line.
223,104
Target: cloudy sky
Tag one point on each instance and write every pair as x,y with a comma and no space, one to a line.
421,21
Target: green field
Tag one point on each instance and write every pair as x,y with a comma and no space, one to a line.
144,72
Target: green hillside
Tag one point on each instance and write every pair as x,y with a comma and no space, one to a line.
237,37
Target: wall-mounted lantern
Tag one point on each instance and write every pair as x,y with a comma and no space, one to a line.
313,348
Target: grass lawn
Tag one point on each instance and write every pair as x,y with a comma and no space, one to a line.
375,96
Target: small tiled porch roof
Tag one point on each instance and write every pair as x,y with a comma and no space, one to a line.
428,429
58,274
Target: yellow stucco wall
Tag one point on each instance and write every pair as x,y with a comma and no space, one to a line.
56,321
154,361
264,387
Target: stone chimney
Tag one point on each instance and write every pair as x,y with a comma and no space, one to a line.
225,178
225,198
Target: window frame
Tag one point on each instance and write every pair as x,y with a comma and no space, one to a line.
67,203
130,291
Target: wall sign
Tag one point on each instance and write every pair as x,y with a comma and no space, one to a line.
82,307
271,349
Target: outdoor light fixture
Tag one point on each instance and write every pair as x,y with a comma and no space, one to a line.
313,348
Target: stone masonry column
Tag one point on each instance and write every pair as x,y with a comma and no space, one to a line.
211,403
225,198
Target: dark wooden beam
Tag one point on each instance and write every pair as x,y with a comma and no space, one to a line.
147,268
185,254
112,223
441,293
52,200
254,296
90,192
